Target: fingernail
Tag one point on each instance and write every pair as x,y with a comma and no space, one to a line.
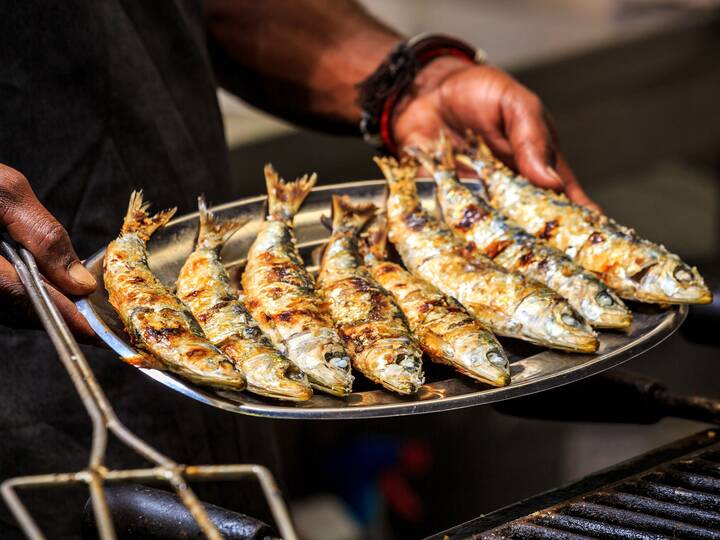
555,176
81,276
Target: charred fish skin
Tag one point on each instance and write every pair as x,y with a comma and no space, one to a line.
509,304
280,293
156,320
444,329
380,342
484,229
635,268
204,286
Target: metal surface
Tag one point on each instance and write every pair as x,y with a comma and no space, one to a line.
104,420
532,369
671,492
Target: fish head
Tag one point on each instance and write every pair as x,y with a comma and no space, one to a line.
549,320
672,281
603,309
323,358
482,359
394,363
272,375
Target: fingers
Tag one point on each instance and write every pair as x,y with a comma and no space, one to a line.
16,308
572,187
30,224
530,138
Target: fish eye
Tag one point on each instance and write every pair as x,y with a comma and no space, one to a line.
682,273
407,361
604,299
342,362
495,357
570,320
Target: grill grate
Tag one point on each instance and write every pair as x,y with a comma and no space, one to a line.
656,496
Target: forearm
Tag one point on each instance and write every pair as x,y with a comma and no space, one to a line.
302,59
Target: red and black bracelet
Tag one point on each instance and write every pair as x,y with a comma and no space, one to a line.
380,92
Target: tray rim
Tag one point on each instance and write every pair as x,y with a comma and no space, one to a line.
675,316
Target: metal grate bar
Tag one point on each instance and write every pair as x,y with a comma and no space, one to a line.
701,466
693,481
669,510
523,531
590,527
679,495
635,520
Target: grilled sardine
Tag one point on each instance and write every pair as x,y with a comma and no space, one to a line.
635,268
156,320
508,303
373,326
204,286
484,229
445,330
280,293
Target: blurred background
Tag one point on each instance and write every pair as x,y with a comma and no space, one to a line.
634,87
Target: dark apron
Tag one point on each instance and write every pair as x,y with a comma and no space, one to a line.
98,98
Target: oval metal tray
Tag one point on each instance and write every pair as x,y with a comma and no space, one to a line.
532,369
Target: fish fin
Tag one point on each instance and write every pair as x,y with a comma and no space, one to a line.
346,214
374,240
215,232
143,360
138,221
396,172
285,198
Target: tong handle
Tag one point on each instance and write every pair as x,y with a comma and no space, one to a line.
616,396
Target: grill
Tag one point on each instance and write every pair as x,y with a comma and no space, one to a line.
672,492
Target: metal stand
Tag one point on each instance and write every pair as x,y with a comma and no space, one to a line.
104,419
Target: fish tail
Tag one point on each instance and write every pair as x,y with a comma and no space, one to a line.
215,232
444,152
139,221
476,149
374,239
345,214
285,198
440,159
395,172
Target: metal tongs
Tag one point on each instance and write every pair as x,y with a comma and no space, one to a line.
104,419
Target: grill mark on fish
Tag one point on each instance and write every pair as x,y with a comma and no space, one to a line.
471,215
527,257
416,221
163,334
548,229
496,247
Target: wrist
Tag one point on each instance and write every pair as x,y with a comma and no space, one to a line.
415,66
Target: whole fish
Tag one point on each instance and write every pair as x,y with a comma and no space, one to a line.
508,303
379,340
473,220
445,330
204,286
156,320
280,293
635,268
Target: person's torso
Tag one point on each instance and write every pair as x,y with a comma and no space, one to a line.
98,98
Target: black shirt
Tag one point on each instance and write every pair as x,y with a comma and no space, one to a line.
98,97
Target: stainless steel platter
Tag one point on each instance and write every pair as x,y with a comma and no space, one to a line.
533,369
